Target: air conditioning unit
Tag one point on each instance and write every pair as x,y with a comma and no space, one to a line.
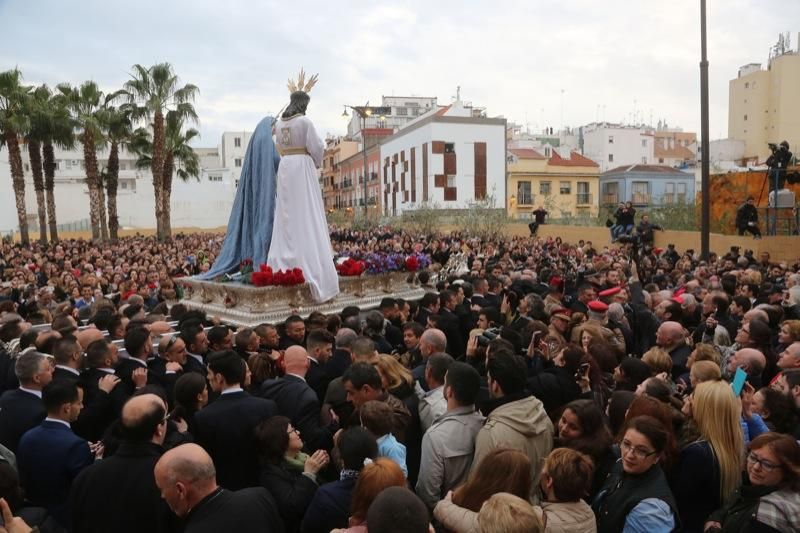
785,198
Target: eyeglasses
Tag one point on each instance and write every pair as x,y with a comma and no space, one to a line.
295,431
638,453
768,466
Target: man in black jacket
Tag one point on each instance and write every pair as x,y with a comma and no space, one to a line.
101,357
225,427
450,324
187,479
128,475
22,409
320,349
747,218
297,401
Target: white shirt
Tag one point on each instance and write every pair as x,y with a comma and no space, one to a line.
108,370
48,419
231,390
296,375
197,358
36,393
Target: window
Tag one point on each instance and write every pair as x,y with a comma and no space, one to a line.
237,142
610,139
681,193
544,188
565,187
449,148
584,196
669,193
640,192
610,193
524,196
215,177
745,117
660,160
123,185
237,162
547,151
644,143
746,84
402,112
451,180
610,158
644,160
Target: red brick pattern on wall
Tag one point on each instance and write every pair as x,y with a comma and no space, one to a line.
424,172
413,175
480,170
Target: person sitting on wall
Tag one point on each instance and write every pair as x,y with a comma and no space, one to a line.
747,218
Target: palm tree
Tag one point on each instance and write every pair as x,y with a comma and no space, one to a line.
36,107
116,123
155,91
179,158
85,103
14,122
60,132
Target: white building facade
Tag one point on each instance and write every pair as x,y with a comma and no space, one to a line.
450,159
393,113
613,145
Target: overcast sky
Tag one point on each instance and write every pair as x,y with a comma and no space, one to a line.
512,57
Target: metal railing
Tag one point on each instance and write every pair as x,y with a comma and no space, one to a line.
583,198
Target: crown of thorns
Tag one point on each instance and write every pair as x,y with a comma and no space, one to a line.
301,84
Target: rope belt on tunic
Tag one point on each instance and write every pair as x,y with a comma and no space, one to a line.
293,151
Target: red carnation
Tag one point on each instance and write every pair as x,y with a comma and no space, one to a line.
412,263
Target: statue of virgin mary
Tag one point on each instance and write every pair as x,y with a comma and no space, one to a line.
250,225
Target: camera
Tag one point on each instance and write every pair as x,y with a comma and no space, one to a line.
488,336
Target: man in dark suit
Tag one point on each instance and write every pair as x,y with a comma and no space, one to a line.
68,356
22,409
295,332
169,364
50,455
320,348
225,427
393,334
186,477
132,370
450,324
128,475
297,401
101,357
428,305
196,342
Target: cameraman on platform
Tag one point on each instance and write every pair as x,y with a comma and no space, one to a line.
777,163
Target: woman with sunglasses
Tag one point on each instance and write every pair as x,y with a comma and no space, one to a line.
636,496
769,499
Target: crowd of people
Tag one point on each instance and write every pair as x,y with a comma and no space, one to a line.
537,385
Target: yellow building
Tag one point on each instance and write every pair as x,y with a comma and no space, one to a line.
764,107
336,150
564,183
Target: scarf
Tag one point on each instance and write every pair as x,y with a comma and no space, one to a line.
297,462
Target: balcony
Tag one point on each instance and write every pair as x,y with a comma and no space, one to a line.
610,199
584,198
525,199
640,198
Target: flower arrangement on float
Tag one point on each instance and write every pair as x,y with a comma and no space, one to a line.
381,263
265,276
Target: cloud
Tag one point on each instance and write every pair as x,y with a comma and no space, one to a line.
513,57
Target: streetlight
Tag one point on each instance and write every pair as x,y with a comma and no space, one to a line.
363,112
705,214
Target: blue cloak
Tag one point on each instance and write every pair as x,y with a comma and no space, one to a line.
250,225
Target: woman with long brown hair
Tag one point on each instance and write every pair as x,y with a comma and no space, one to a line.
502,470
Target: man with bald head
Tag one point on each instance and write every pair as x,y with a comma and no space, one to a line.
298,401
87,336
751,361
430,342
186,477
136,504
671,337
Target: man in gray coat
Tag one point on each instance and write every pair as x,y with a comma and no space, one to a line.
449,444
